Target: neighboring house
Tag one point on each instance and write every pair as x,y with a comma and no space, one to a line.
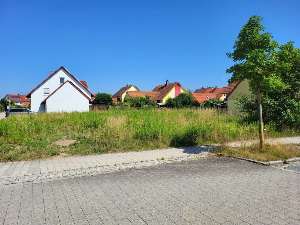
161,93
60,92
150,94
168,90
114,100
233,91
20,100
120,95
204,90
204,94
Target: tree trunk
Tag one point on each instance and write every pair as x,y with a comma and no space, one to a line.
261,128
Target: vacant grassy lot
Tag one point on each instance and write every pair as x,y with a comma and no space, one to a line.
120,130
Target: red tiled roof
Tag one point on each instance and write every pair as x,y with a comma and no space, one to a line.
152,94
204,90
200,94
201,97
21,99
29,95
122,90
219,90
159,87
165,89
63,85
230,88
84,83
25,104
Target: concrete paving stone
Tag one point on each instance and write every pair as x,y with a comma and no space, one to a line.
172,191
10,170
1,165
11,220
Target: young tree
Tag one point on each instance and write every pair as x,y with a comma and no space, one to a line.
280,108
4,102
259,61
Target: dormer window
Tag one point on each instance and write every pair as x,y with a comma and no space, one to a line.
61,80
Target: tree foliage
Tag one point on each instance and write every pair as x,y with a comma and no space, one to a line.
211,103
180,101
261,61
138,102
280,108
103,98
4,102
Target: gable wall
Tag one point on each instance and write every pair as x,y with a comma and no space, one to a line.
171,94
52,83
132,88
67,99
241,89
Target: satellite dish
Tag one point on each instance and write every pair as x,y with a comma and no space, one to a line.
207,97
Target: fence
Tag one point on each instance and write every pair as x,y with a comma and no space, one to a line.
99,107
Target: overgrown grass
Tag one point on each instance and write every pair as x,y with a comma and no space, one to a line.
270,153
25,137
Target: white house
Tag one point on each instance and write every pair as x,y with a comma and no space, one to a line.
60,92
20,100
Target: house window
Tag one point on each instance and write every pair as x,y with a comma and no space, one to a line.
62,80
46,91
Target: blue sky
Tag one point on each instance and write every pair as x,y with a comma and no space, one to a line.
110,43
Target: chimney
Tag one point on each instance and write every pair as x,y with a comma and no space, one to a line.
167,82
51,72
216,87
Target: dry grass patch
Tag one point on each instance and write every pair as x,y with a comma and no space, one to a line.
116,121
270,153
64,143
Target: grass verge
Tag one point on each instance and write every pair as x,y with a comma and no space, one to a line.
270,153
24,137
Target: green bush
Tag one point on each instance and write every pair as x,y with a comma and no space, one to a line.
212,103
278,109
103,98
182,100
139,102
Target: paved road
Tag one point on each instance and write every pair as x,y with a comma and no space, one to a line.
209,191
293,166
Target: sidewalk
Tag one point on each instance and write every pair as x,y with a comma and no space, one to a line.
15,172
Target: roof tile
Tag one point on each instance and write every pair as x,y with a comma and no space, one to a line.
152,94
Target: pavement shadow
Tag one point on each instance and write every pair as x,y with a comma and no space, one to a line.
200,149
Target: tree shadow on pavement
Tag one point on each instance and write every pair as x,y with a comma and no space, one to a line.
200,149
